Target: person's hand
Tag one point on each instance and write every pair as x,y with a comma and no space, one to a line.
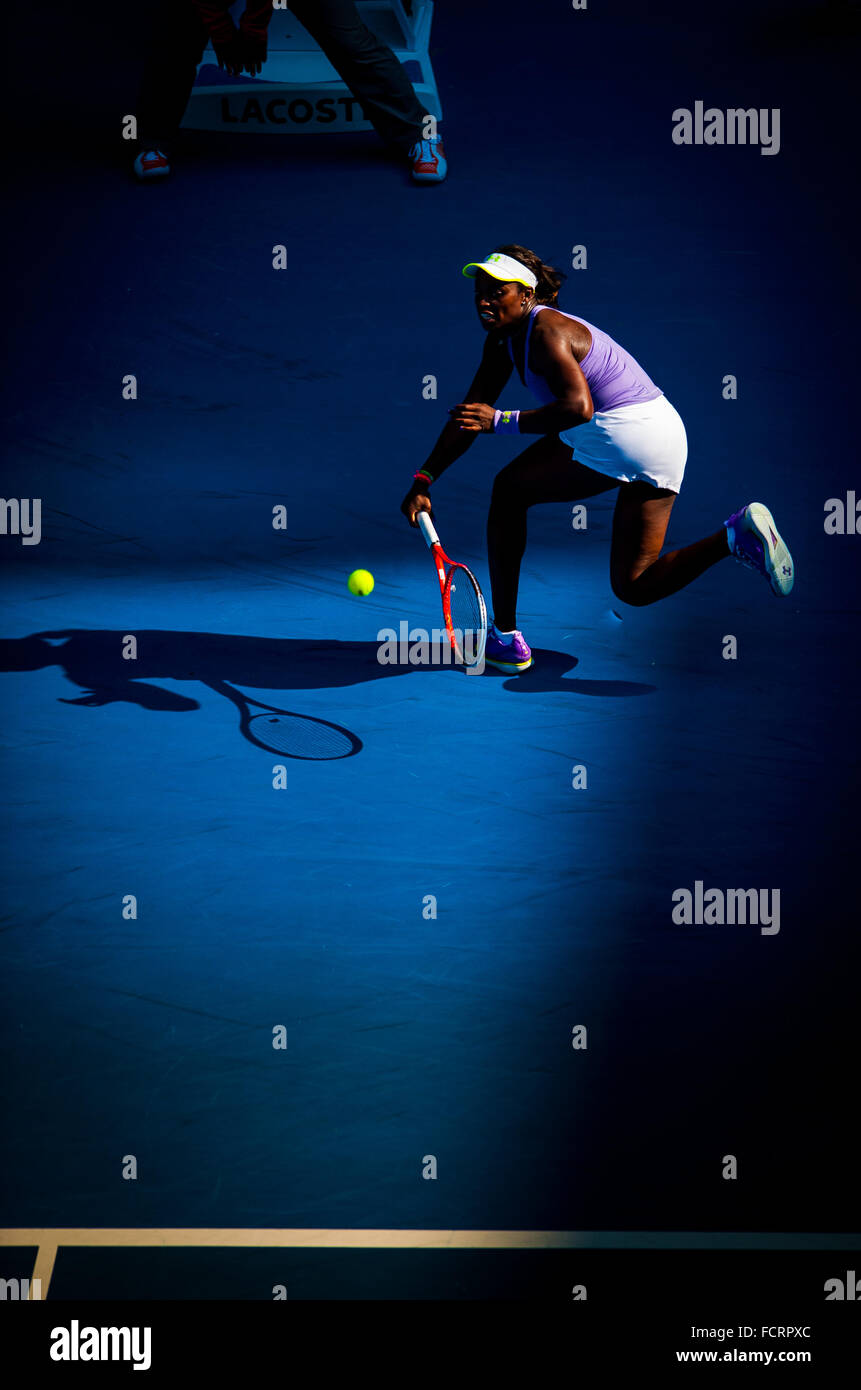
230,53
476,417
413,503
254,47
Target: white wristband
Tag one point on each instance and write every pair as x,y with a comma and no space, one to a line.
506,422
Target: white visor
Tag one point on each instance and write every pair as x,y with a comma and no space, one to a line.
502,267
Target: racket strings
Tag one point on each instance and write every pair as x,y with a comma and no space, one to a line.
465,607
301,736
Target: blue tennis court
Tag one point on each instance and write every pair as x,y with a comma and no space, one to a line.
429,919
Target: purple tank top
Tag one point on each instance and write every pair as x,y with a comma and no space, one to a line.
614,377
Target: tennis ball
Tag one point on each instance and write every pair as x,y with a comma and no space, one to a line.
360,582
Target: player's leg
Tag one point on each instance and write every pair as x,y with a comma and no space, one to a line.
370,70
545,472
638,572
177,40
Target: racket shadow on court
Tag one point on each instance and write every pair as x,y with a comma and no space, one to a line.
229,665
94,662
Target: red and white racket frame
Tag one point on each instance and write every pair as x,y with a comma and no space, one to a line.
446,568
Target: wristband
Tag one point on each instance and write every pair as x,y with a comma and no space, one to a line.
425,476
506,422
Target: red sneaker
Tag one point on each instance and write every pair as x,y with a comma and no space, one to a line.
429,164
152,164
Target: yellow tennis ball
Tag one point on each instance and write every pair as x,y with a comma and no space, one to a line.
360,582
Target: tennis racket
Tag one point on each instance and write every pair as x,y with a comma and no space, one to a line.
463,606
291,735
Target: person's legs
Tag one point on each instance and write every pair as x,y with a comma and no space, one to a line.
369,68
545,472
176,46
638,572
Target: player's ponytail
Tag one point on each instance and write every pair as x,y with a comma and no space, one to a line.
549,279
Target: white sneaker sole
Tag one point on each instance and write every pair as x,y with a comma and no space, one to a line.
778,561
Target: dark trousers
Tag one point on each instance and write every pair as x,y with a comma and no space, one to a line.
370,70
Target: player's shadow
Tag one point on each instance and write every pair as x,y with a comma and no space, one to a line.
549,672
94,661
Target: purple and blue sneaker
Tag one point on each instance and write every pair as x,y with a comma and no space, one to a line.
753,539
507,650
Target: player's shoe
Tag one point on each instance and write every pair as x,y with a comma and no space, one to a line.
508,652
754,539
152,164
428,161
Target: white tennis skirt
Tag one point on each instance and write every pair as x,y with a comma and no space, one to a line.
642,443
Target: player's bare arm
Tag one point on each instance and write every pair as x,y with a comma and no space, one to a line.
487,385
556,343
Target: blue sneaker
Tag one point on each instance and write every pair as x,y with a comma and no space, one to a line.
429,164
508,653
754,540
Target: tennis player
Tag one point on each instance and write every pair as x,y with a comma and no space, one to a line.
601,423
